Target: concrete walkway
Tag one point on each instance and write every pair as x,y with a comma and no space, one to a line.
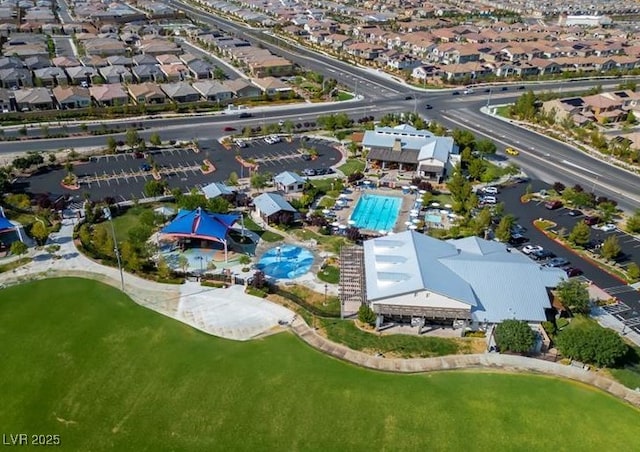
508,363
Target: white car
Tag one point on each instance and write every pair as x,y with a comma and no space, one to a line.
528,249
489,200
609,227
269,140
275,139
490,190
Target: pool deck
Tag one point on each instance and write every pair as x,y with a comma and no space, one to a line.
343,214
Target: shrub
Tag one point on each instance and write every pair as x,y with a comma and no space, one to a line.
550,328
216,284
366,315
515,336
256,292
588,342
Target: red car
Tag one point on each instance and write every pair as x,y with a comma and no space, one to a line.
229,129
553,205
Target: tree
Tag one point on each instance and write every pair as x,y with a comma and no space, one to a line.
574,295
218,73
154,139
460,190
633,271
580,234
258,180
153,188
464,138
218,205
515,336
366,314
633,222
503,231
132,139
130,256
525,106
112,145
39,232
233,179
610,247
164,272
52,157
476,169
607,209
586,341
18,248
183,263
485,147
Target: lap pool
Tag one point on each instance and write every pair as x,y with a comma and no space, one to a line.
377,213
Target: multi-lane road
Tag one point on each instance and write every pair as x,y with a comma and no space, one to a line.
543,157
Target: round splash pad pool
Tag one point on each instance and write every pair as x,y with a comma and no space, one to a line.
285,262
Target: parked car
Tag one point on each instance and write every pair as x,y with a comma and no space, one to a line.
309,172
609,227
528,249
145,167
518,239
490,190
553,205
320,171
591,220
542,255
138,155
229,129
572,271
518,229
593,245
511,151
240,143
557,262
489,200
575,213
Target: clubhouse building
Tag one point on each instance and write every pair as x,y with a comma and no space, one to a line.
407,149
411,277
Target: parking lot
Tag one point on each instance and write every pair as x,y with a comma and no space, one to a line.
628,308
123,176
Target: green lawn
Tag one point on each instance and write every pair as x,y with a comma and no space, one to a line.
267,236
79,359
329,274
352,166
343,95
345,332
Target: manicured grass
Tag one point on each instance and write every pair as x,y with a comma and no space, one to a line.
329,274
331,243
267,236
342,95
352,166
503,111
122,224
324,184
404,345
105,374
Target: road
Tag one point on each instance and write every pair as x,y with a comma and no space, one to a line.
543,157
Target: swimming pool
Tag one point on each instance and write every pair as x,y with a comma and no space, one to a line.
285,262
433,218
376,212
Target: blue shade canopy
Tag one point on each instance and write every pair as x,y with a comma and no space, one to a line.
5,224
201,224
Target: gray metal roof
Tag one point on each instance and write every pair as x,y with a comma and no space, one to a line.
270,203
216,189
416,145
496,283
288,178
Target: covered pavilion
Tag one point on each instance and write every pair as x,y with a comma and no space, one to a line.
203,225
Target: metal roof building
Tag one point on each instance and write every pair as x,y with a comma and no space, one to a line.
472,279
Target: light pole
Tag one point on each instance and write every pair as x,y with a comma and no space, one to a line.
107,214
489,98
326,287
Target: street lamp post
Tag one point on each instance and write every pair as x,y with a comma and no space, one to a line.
107,214
326,287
